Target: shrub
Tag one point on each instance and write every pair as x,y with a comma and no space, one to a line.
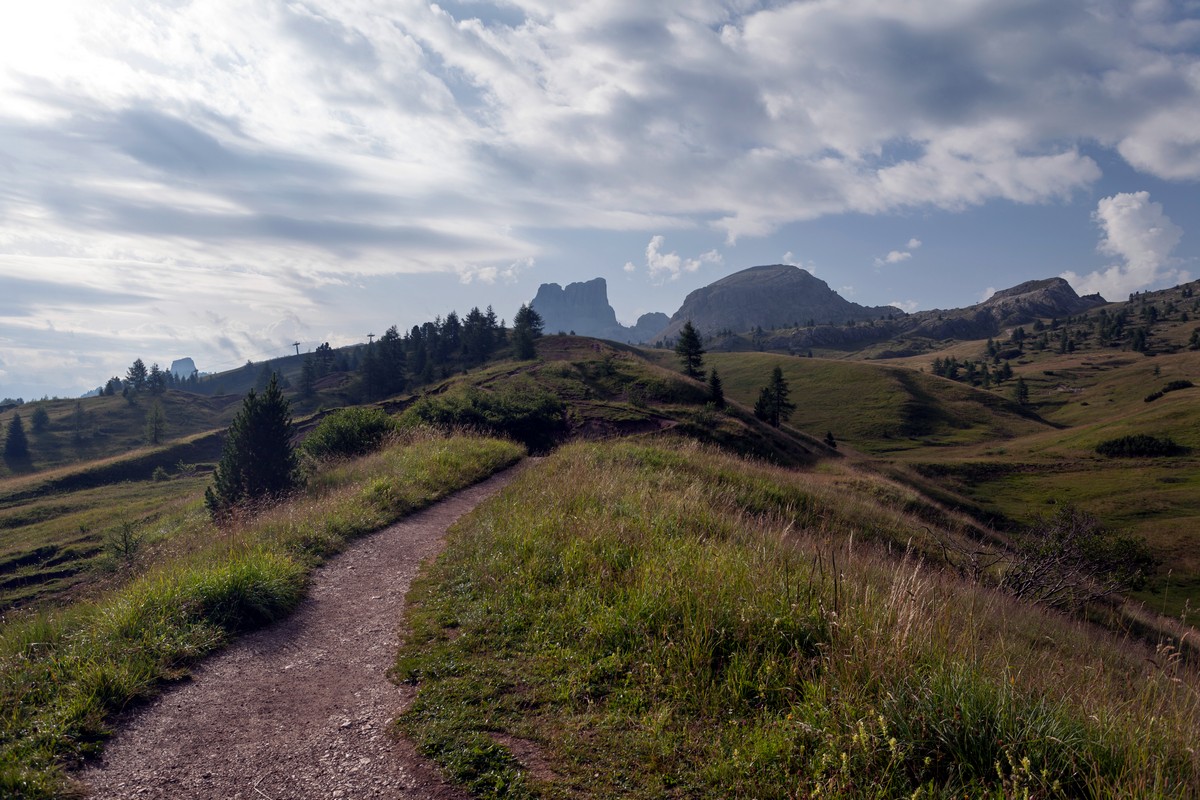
349,432
520,410
1174,386
1140,445
1069,560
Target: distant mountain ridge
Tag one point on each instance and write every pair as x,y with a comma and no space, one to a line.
584,308
783,307
1019,305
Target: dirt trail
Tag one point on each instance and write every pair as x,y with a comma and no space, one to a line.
300,709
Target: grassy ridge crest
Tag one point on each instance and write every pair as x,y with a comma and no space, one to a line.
663,619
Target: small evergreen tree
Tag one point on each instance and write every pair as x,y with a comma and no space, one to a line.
690,351
156,380
1021,392
136,375
716,392
773,405
156,423
16,444
829,440
40,420
527,326
258,460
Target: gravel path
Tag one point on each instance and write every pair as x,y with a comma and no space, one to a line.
299,709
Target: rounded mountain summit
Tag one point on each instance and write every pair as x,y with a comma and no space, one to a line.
773,296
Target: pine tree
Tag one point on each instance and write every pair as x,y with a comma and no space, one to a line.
136,375
690,351
40,420
1021,392
156,380
773,405
527,326
716,392
16,445
156,423
258,460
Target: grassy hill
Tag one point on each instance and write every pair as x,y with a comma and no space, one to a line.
731,608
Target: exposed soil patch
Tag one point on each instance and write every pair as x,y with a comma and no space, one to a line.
300,709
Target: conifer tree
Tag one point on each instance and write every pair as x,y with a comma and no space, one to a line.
40,420
773,405
690,351
136,375
527,326
716,392
16,445
156,423
258,460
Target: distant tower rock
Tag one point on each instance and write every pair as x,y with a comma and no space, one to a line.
583,308
183,368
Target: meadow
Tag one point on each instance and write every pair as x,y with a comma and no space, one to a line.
644,619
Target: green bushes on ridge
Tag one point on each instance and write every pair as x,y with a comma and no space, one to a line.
1140,445
349,432
520,410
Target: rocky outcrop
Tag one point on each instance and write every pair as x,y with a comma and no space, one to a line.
183,368
768,297
1020,305
584,308
649,327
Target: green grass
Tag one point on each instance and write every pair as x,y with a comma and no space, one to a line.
874,408
667,620
65,673
110,426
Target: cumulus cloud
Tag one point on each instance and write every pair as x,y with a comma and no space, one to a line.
1138,232
899,256
669,266
908,306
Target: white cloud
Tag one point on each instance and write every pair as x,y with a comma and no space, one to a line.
899,256
1143,237
987,293
489,274
669,266
908,306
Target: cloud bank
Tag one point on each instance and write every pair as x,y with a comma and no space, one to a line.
259,152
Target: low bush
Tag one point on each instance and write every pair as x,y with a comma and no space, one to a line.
520,410
1173,386
349,432
1140,446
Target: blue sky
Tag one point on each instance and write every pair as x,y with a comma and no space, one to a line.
220,178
